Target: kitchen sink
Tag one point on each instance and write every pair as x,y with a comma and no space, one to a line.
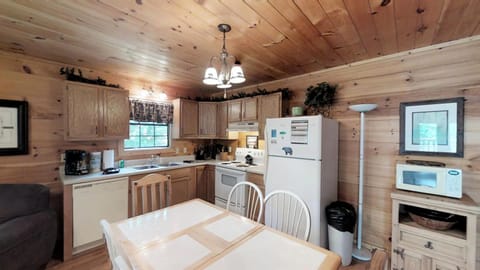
144,167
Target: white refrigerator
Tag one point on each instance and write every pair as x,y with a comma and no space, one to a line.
302,157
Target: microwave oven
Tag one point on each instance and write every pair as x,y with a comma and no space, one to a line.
427,179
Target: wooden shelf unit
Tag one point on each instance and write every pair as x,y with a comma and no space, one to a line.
417,247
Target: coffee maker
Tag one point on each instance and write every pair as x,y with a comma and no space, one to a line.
76,162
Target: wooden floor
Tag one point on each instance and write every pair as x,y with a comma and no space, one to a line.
98,260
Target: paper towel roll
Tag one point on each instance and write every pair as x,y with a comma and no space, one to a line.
108,159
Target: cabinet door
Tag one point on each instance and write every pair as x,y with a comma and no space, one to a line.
404,259
116,114
82,112
210,183
235,111
270,106
180,190
222,120
188,118
201,183
207,119
439,265
249,109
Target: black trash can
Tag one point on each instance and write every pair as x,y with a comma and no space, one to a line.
341,219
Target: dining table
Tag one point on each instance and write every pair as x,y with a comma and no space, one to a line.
198,235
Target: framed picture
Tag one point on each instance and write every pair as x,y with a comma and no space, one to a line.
432,128
13,127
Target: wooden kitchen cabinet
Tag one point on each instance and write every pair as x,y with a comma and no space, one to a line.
222,120
206,183
270,106
207,119
183,185
185,119
244,109
95,113
417,247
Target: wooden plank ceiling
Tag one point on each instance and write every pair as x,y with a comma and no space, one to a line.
170,43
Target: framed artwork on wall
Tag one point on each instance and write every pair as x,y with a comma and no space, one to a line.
13,127
432,128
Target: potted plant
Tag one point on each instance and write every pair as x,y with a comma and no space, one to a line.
319,98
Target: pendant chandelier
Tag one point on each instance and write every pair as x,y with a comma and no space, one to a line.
229,69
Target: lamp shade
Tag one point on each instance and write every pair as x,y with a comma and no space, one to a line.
210,77
236,75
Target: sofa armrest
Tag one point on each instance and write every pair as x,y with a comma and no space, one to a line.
22,199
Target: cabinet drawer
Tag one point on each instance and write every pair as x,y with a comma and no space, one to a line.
431,246
179,173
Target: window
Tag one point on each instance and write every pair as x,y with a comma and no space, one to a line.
148,135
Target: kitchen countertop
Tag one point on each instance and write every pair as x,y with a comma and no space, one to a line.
128,171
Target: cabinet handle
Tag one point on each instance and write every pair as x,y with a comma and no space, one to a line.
428,245
399,252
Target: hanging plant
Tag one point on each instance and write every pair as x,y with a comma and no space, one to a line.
320,98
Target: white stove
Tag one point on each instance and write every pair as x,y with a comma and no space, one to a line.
240,161
228,174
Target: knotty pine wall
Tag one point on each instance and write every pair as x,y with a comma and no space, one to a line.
38,82
445,71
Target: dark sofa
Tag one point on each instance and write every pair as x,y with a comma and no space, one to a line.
28,227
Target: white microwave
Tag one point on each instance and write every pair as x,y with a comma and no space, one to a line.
428,179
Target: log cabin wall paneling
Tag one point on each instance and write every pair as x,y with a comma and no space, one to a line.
445,71
38,82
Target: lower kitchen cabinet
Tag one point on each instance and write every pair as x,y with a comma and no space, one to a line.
205,176
183,185
257,179
417,247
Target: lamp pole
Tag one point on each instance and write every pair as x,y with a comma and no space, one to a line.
360,253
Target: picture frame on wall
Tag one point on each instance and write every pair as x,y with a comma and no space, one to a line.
13,127
432,127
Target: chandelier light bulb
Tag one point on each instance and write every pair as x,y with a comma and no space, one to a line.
229,69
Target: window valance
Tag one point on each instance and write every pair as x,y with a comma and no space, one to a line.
147,111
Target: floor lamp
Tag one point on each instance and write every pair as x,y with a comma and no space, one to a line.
360,253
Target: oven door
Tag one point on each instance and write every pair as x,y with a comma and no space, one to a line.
225,179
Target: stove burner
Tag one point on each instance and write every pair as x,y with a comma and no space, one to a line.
225,163
234,161
242,165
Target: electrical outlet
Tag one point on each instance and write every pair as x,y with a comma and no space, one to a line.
62,157
176,150
185,150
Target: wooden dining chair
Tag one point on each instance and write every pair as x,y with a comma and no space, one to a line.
118,262
150,193
378,262
288,213
246,199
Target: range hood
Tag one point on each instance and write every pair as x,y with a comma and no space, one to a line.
243,126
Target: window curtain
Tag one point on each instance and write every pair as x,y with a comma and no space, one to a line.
145,111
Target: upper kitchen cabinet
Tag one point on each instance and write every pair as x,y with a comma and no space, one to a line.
270,106
94,112
185,119
207,119
116,115
242,110
222,120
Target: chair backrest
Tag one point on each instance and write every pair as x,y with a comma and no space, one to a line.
150,193
112,249
379,259
246,199
286,212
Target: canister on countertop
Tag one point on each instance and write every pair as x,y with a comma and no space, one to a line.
95,161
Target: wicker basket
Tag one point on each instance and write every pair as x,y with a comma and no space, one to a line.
432,223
